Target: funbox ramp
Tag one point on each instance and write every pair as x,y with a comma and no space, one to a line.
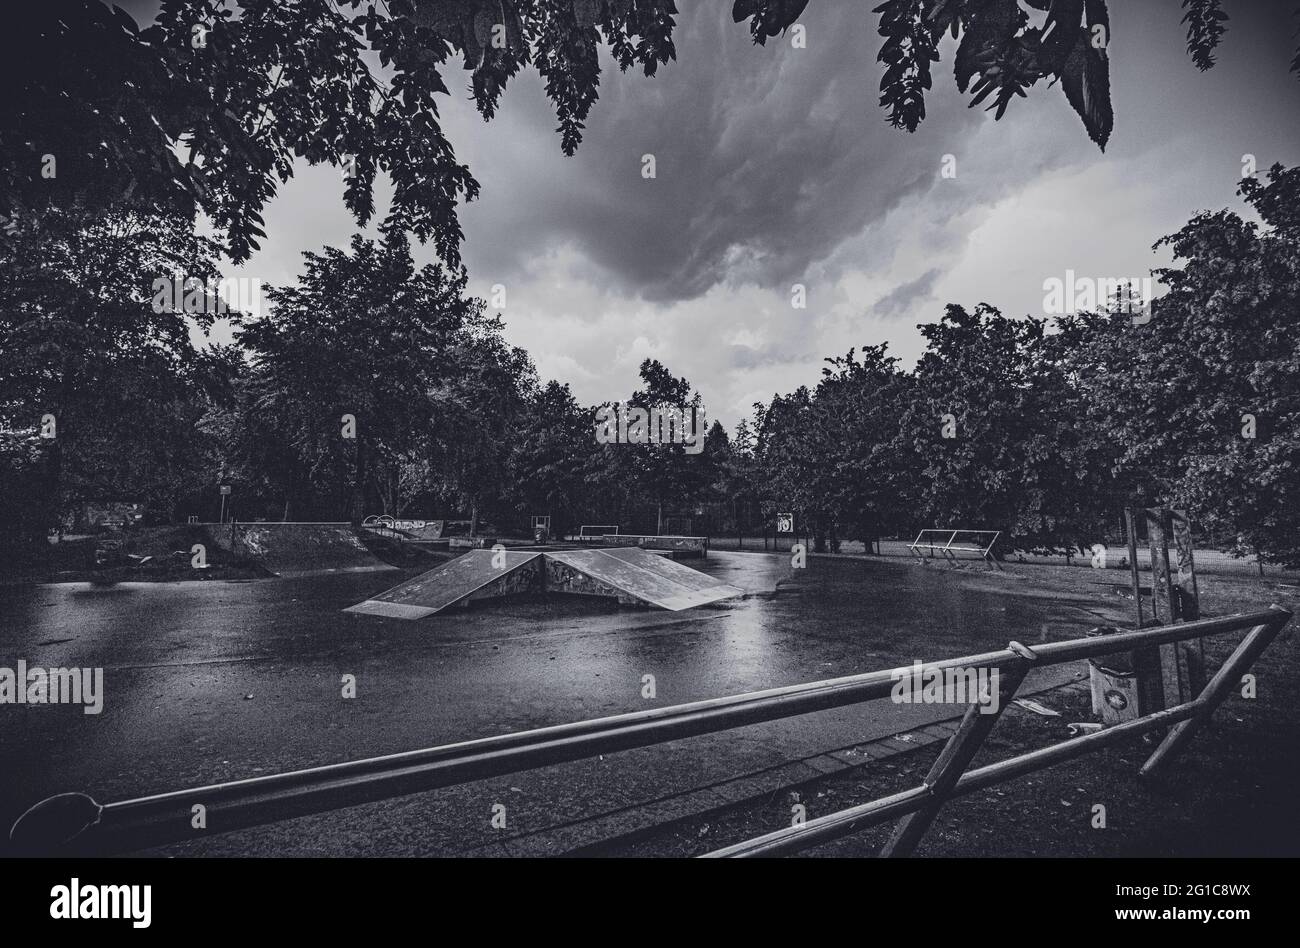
632,576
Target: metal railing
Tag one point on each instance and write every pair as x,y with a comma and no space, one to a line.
948,550
74,822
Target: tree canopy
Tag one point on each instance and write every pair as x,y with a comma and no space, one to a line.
208,107
1042,430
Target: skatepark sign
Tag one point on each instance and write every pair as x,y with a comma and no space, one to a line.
785,523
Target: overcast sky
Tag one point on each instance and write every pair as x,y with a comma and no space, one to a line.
775,166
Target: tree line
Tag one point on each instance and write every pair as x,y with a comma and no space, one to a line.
1046,431
372,385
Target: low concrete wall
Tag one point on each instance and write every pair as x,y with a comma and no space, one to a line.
679,546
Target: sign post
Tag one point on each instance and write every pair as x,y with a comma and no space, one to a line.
225,492
784,524
1174,599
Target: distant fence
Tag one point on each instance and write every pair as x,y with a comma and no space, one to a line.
1209,561
948,543
74,822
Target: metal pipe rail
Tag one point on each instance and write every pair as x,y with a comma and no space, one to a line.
948,779
76,823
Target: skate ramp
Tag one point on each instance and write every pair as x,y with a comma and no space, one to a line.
479,574
295,549
632,576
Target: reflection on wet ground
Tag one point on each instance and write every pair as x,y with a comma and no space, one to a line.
211,681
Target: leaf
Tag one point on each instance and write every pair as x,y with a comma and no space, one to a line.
586,12
1061,32
1204,19
1096,14
986,32
1085,79
908,51
942,16
767,17
789,11
125,20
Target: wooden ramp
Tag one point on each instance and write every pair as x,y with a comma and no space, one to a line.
632,576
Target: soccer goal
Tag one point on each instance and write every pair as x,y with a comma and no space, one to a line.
950,543
596,531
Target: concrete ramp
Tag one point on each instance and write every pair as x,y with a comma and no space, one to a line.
632,576
298,548
462,580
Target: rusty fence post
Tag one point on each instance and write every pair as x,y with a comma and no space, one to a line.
957,755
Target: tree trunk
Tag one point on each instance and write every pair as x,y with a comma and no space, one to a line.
359,484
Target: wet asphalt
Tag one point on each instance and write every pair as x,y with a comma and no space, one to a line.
207,682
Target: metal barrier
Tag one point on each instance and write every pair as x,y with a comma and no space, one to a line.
74,822
950,548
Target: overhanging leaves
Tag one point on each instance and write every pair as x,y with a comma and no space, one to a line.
1204,19
1085,78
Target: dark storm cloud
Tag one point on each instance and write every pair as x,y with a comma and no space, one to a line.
776,166
767,158
901,298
